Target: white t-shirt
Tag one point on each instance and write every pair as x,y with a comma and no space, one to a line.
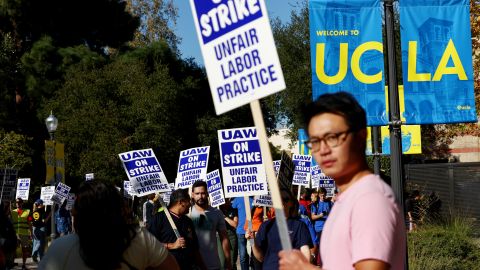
144,251
365,223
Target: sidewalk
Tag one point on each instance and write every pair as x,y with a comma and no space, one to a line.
30,264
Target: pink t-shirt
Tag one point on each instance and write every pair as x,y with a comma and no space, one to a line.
365,223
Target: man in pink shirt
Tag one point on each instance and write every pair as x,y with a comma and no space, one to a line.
365,229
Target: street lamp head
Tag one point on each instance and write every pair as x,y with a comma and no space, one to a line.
51,122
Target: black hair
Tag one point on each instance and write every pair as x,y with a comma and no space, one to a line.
287,196
199,183
179,195
323,191
340,103
102,225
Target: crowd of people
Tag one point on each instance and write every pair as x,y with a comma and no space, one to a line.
27,229
361,227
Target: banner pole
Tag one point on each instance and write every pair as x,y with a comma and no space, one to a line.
271,178
394,108
376,149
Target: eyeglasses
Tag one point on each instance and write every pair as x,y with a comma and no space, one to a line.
331,139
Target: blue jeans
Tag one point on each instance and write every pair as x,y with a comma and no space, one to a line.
38,242
242,251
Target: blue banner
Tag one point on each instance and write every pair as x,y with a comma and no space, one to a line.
347,53
437,61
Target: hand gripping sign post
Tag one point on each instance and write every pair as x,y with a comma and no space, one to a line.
215,191
301,176
192,166
23,188
242,66
144,172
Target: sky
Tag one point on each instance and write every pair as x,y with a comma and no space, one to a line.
185,28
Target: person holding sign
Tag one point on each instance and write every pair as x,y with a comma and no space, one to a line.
267,240
208,221
185,248
104,237
23,228
38,219
365,229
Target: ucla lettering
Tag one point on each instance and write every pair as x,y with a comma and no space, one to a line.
343,63
442,69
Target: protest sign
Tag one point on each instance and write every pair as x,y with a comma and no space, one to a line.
8,178
301,174
316,176
70,201
266,200
127,190
60,194
214,187
89,176
23,188
328,183
144,172
46,194
238,50
286,171
192,166
242,66
242,166
166,195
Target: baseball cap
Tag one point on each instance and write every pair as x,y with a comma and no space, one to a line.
39,201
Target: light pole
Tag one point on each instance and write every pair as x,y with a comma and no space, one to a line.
52,122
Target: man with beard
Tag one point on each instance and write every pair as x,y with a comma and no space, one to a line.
185,248
207,222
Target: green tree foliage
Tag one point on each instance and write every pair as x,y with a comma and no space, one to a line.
14,150
95,23
8,74
157,20
293,47
147,98
45,66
